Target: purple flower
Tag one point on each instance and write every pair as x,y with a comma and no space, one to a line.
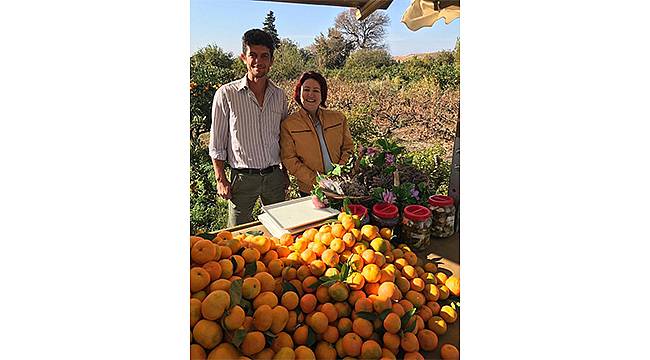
388,197
390,159
371,151
415,194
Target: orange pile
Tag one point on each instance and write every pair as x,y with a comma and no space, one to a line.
333,292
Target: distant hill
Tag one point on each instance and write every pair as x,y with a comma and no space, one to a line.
400,58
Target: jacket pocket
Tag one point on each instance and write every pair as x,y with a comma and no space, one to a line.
300,131
333,126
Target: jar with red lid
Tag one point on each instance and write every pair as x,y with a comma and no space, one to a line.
443,214
385,215
360,211
416,225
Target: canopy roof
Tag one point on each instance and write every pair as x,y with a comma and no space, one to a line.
419,14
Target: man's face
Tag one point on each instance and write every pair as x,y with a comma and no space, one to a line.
258,60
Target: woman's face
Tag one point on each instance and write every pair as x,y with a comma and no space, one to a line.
310,95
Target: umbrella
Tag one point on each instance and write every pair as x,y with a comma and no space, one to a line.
423,13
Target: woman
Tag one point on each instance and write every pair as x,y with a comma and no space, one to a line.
313,139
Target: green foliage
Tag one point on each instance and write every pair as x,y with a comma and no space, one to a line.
288,62
207,212
375,58
432,161
364,131
331,51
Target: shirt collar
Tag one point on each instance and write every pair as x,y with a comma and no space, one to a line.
243,84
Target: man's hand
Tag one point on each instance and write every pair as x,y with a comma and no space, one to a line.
223,188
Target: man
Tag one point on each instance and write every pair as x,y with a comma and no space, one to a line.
245,132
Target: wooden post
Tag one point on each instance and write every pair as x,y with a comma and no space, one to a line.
454,177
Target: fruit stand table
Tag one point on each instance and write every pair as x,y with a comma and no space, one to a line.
447,248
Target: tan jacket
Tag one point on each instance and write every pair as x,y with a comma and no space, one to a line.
300,149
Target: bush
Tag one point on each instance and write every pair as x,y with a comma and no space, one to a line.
289,62
364,131
432,161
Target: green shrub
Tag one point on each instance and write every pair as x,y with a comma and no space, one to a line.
288,62
432,161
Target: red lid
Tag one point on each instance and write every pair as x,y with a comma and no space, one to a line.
417,212
385,210
441,200
357,209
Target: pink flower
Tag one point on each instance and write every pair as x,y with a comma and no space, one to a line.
415,194
371,151
388,197
390,159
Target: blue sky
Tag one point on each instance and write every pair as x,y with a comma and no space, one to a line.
222,22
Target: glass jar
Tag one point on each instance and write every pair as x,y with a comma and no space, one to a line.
443,214
416,225
385,215
360,211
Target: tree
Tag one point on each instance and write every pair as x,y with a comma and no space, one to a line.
332,50
269,27
288,62
368,33
457,52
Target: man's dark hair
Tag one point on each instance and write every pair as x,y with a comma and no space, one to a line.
257,37
321,81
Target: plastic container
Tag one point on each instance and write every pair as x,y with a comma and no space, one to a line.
443,214
416,226
361,211
385,215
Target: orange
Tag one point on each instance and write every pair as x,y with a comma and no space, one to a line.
235,318
380,259
398,309
292,322
282,251
403,284
441,277
285,353
338,230
322,294
425,312
400,263
251,287
194,239
286,239
449,351
369,232
386,233
386,354
199,278
363,304
416,298
289,273
344,325
331,334
304,353
370,349
308,303
300,335
338,291
266,354
368,256
349,239
371,288
448,314
195,311
325,351
197,352
356,296
337,245
431,292
270,255
444,292
389,290
318,322
280,317
224,351
437,325
362,327
227,269
411,258
409,272
413,356
330,257
428,339
281,340
261,243
317,267
213,268
262,318
380,245
289,300
275,267
343,308
308,282
267,283
371,273
221,284
302,272
409,342
330,311
352,344
207,333
392,342
430,267
265,298
355,281
324,237
223,235
309,234
453,284
380,303
203,251
356,262
234,244
331,272
253,343
214,305
226,253
307,256
392,323
417,284
434,306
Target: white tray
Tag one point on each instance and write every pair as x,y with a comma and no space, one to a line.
299,212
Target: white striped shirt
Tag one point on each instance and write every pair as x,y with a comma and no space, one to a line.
244,134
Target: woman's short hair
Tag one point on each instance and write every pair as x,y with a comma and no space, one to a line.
321,81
